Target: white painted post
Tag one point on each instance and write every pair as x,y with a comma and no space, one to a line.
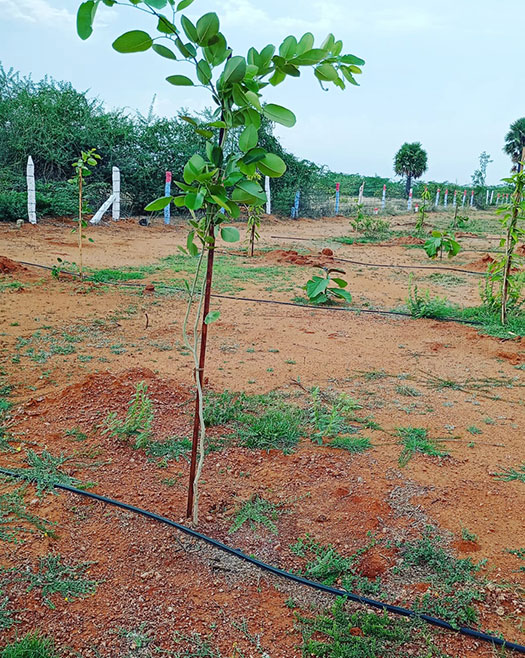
472,199
487,199
383,200
361,192
455,200
445,200
268,191
103,209
464,198
116,193
409,204
31,194
438,194
491,197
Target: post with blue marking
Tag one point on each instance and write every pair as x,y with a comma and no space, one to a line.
337,192
295,207
167,192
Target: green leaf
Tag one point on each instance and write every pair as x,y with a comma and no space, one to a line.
352,59
159,204
340,282
180,81
305,43
207,28
189,29
193,168
288,47
343,294
194,200
248,139
163,51
183,4
326,72
135,41
212,316
85,16
249,192
230,234
315,286
157,4
166,26
272,165
309,58
204,72
280,115
254,155
234,71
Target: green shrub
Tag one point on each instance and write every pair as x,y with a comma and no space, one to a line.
30,646
13,206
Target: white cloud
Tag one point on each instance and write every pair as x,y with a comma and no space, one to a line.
37,12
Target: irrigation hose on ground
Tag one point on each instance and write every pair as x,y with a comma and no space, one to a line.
346,309
394,609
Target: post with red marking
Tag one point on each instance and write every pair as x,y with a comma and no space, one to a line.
383,200
455,200
409,204
445,200
337,192
491,197
438,194
464,198
167,192
472,199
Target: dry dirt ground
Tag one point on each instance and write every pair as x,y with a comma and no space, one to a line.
73,352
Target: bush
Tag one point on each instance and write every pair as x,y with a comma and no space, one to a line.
13,206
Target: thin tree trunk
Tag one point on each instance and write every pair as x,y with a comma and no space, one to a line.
509,248
80,222
200,374
252,240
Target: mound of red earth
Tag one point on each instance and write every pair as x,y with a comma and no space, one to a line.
482,264
405,239
8,266
326,257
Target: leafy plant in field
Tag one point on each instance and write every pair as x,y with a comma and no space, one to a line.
330,417
82,169
441,241
138,421
53,576
416,439
425,306
459,221
216,185
422,212
15,518
353,444
30,646
371,227
253,221
276,428
255,511
44,471
510,294
319,291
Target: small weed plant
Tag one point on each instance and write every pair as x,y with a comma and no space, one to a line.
324,289
173,448
425,306
55,577
256,512
15,520
138,421
512,474
44,471
416,440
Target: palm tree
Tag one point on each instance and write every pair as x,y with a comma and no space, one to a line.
410,161
515,142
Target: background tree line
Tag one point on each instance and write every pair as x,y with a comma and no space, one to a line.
53,123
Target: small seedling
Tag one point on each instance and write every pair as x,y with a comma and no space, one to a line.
319,291
510,474
255,511
441,241
416,439
466,535
138,421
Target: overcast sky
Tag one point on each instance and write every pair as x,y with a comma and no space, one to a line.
447,74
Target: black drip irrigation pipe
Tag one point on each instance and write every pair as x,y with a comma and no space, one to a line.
346,309
394,609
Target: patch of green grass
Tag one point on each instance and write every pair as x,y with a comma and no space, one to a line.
474,430
466,535
256,511
53,576
110,275
454,586
444,279
337,633
30,646
223,408
138,421
354,444
422,305
330,414
174,448
416,439
510,474
76,434
278,428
